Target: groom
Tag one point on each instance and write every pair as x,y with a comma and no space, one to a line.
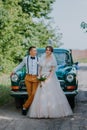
31,82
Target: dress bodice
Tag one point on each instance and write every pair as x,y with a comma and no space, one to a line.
46,67
47,64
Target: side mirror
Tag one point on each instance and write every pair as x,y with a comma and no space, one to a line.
76,65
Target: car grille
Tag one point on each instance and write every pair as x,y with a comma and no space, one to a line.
62,83
22,85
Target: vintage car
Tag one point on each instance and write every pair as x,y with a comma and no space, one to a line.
66,73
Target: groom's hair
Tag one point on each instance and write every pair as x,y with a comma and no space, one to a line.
50,48
30,48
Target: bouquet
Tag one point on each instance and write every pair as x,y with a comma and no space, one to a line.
42,78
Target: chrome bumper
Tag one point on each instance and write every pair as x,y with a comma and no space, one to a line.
72,93
18,94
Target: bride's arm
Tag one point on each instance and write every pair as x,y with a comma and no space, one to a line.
51,72
53,66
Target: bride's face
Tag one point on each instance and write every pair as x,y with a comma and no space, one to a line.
48,52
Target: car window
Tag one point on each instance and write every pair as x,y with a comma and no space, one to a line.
62,58
40,54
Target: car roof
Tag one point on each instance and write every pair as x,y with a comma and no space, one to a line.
55,50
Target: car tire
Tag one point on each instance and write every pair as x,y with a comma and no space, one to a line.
19,102
72,102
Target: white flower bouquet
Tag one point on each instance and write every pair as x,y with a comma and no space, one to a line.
42,78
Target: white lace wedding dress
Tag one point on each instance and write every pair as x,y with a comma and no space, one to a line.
49,100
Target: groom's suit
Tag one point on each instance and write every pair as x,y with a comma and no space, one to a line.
31,81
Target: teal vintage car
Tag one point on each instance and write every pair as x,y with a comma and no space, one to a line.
66,73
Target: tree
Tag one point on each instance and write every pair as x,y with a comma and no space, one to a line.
19,30
37,8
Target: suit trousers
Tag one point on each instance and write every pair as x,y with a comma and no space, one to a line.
31,83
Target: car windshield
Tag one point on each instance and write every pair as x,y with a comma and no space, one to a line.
61,57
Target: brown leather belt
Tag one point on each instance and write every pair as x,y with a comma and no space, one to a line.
31,75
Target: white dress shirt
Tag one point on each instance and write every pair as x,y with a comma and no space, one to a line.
31,65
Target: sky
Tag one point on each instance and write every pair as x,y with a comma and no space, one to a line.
68,15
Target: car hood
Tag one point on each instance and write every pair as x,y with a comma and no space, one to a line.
63,70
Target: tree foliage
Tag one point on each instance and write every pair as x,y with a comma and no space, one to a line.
37,8
22,25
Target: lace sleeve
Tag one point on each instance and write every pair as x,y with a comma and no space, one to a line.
54,62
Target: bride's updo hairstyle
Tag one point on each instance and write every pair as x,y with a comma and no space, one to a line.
50,48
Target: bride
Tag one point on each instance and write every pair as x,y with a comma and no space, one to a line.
49,100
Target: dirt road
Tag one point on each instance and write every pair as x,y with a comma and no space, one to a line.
11,118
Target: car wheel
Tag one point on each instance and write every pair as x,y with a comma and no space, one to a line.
72,102
19,102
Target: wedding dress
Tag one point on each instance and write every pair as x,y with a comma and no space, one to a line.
49,100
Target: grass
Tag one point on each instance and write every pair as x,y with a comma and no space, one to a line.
84,60
81,60
5,89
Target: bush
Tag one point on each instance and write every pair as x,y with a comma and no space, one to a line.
5,89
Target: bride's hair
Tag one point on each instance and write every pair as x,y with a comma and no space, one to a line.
50,48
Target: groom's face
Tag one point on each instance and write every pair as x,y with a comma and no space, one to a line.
33,52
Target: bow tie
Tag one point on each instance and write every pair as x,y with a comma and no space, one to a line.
32,58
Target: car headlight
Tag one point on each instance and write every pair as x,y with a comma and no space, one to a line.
69,77
14,77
